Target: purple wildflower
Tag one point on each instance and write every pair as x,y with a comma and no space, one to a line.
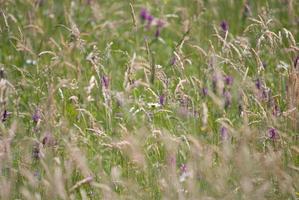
36,116
149,19
224,26
223,132
276,110
5,115
36,151
162,99
227,98
265,94
272,133
258,84
228,80
105,82
36,174
158,32
215,82
48,140
144,14
204,91
160,25
183,168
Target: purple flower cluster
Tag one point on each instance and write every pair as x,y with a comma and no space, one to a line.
149,19
223,133
162,99
105,82
5,115
204,91
224,26
183,168
227,98
228,80
272,133
36,116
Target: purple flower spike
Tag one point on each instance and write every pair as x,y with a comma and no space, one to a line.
144,14
215,82
228,80
105,82
223,133
258,84
158,32
162,99
150,19
227,99
204,91
5,115
224,26
183,168
276,111
272,133
160,25
36,116
36,151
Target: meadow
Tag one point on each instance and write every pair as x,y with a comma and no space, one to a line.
159,99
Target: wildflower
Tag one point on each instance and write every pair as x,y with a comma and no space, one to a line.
105,82
224,26
5,115
162,99
36,116
185,173
48,140
37,174
144,14
272,133
276,110
223,133
204,91
160,25
183,168
228,80
265,94
215,82
149,19
36,151
227,98
258,84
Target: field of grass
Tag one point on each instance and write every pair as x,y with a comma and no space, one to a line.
159,99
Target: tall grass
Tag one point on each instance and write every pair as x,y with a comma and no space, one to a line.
155,99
